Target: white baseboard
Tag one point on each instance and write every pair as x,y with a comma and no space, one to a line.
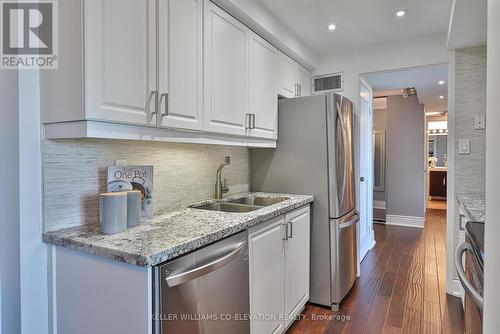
408,221
379,205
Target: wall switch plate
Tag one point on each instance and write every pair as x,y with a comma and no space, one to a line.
479,122
464,146
120,162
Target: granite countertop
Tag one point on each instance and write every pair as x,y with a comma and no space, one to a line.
172,234
474,205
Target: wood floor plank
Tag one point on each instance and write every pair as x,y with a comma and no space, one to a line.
402,288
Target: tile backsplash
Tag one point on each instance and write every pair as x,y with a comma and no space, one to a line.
75,173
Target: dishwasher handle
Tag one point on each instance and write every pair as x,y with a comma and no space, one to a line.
206,268
468,287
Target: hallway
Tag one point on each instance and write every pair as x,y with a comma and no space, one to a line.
401,288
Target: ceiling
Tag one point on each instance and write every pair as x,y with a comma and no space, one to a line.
359,22
424,79
467,24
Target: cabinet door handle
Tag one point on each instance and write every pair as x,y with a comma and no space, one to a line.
444,181
289,235
285,232
164,96
154,93
248,121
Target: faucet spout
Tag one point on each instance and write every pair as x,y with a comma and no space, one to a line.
219,187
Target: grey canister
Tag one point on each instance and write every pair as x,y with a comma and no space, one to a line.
134,208
113,212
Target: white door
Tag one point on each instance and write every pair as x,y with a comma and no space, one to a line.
365,184
296,262
287,76
225,68
266,262
180,63
120,59
263,87
303,81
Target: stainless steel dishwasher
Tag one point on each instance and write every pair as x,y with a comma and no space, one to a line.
204,292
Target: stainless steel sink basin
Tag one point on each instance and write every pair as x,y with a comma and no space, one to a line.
258,201
228,207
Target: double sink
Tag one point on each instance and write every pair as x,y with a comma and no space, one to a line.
241,205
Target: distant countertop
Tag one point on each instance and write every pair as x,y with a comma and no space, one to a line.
438,169
172,234
474,205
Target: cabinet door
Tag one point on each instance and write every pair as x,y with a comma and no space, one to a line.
120,59
180,63
263,87
287,76
266,277
303,81
225,68
297,252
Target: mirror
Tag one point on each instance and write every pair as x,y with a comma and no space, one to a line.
379,160
438,148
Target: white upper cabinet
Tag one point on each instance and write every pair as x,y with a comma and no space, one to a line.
303,81
225,68
120,58
287,76
263,87
180,63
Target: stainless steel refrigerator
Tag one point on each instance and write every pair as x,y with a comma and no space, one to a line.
314,155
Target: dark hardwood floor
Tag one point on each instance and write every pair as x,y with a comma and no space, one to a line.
401,288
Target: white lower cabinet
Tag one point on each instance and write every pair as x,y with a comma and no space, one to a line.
266,256
279,271
297,251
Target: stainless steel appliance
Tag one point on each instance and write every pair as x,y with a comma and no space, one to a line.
206,291
470,272
315,156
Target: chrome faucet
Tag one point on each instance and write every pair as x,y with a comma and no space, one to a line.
219,187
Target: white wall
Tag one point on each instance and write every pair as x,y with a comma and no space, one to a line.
404,165
33,252
10,307
492,227
382,57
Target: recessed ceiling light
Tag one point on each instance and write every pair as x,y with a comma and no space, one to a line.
441,82
441,96
332,27
401,12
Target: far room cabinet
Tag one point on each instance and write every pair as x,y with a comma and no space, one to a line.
263,87
180,64
225,68
120,80
296,262
266,276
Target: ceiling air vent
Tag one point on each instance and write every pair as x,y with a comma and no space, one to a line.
328,83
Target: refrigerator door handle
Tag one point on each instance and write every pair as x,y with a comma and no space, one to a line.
344,179
350,222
